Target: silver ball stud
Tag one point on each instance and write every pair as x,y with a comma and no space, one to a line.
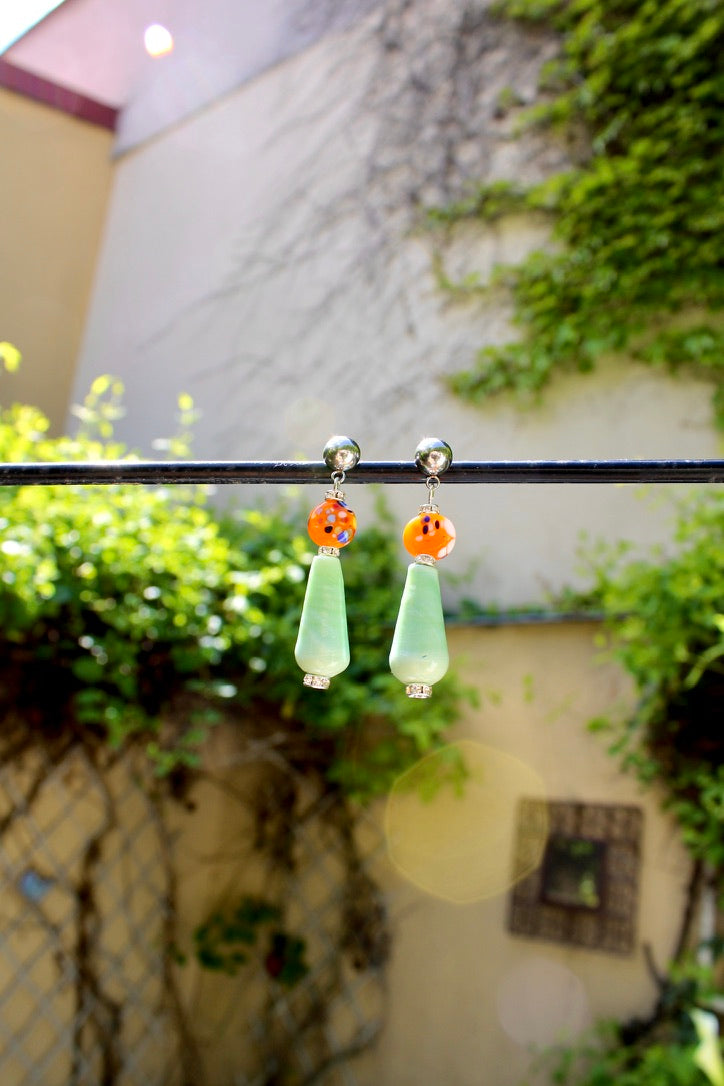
341,453
433,456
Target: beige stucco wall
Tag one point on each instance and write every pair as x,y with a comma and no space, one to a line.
261,257
462,1002
54,188
465,1002
225,271
468,1002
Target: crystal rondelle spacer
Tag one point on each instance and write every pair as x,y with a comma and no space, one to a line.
425,560
418,690
317,682
333,552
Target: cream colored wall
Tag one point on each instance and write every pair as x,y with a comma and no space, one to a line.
467,1000
54,188
213,280
466,1003
462,1001
255,259
223,273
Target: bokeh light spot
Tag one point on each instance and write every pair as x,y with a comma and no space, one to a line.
541,1002
157,40
450,821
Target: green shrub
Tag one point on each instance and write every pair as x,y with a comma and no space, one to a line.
135,612
666,623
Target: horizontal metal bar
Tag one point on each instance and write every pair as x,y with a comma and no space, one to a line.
108,472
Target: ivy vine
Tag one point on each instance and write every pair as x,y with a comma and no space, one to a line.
134,621
140,614
664,623
665,618
637,265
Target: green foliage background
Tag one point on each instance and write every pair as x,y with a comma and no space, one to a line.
637,265
672,1058
665,625
666,621
141,613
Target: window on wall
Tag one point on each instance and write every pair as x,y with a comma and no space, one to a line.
585,892
573,872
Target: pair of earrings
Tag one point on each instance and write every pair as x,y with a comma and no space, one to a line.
419,656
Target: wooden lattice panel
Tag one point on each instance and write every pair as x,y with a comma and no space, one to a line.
586,890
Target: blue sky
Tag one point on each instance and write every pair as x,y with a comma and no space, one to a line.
17,16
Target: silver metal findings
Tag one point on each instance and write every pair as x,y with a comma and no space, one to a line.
433,456
317,682
341,454
418,690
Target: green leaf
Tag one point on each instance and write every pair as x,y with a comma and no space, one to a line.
10,356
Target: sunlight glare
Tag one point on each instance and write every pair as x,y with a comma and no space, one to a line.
17,18
157,40
450,821
542,1002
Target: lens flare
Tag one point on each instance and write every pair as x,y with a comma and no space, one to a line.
157,40
541,1002
450,821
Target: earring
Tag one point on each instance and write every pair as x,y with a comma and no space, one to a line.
419,655
322,648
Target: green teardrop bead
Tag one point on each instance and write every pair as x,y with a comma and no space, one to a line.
322,646
419,647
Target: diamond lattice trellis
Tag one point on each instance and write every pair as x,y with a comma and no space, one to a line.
336,1011
83,892
86,889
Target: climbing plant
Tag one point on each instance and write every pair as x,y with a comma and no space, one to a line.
136,620
126,601
664,614
680,1049
635,267
664,624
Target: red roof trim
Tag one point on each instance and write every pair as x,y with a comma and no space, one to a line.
51,94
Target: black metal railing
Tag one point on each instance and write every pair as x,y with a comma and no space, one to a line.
111,472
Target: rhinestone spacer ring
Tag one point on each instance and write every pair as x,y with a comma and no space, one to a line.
418,690
317,682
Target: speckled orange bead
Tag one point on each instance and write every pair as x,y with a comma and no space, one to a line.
332,524
429,533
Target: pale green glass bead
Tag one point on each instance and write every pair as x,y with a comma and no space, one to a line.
322,648
419,647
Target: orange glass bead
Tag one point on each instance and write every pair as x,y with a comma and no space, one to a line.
332,524
429,533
